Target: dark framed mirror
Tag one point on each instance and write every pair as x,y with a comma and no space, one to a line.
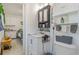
44,17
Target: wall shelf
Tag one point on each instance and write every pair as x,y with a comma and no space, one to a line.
66,23
65,45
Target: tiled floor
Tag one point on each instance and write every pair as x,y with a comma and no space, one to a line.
17,48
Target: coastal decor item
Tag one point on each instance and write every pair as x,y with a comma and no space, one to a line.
73,28
58,28
62,20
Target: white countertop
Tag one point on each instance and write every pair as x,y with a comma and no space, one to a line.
37,34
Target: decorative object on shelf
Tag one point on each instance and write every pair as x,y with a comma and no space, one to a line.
58,28
62,20
73,28
19,34
68,27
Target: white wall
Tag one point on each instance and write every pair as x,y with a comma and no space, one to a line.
30,22
13,20
72,12
61,8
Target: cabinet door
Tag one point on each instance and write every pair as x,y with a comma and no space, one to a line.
40,46
47,47
37,46
29,44
34,45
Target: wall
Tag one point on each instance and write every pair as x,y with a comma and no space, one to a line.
30,22
61,8
72,12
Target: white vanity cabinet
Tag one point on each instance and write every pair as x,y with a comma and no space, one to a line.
35,46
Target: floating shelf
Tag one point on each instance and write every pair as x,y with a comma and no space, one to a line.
65,45
66,23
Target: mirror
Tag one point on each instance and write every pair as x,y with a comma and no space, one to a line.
44,17
40,16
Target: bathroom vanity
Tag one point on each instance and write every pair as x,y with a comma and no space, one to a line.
37,45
